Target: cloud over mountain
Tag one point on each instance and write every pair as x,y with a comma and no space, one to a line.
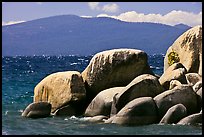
172,18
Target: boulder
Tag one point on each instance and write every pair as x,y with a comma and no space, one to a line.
197,86
140,111
109,120
194,119
183,94
61,89
114,68
101,104
145,85
174,83
37,110
193,78
186,49
175,72
67,110
200,66
174,114
199,92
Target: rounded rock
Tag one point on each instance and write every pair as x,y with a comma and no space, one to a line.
114,68
37,110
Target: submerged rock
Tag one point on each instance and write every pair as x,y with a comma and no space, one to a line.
61,89
114,68
174,114
193,119
37,110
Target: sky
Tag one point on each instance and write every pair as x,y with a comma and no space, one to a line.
170,13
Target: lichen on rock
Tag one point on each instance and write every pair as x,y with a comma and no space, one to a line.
173,57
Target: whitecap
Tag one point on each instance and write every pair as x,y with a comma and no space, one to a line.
71,55
6,112
102,128
151,67
80,59
73,64
73,117
4,132
20,110
66,119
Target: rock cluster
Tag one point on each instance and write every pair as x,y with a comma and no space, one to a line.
119,87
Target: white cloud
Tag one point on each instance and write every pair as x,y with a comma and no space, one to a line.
110,8
172,18
11,22
106,8
94,5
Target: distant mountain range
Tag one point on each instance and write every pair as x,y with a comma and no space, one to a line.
70,34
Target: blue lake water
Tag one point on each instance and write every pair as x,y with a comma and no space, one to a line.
21,74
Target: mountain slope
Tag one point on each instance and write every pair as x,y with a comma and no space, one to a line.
182,26
70,34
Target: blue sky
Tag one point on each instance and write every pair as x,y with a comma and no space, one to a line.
170,13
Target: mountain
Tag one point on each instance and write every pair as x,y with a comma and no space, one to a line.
182,26
70,34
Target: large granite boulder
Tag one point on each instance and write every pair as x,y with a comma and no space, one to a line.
101,104
187,49
175,72
194,119
145,85
61,89
183,94
140,111
37,110
114,68
174,114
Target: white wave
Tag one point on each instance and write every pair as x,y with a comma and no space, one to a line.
73,64
6,112
80,59
20,110
151,67
4,132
